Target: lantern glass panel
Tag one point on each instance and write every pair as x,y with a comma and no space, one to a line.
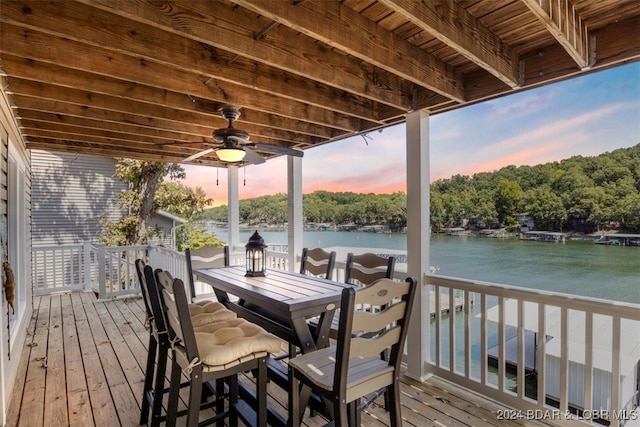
255,256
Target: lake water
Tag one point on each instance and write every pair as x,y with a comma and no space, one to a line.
577,267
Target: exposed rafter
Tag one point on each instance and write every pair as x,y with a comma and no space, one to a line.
234,30
147,79
565,24
346,30
457,28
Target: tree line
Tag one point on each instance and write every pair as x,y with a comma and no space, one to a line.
580,193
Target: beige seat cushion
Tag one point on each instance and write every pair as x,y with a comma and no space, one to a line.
227,341
205,312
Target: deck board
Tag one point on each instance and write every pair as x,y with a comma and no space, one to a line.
102,405
77,391
83,365
55,406
32,401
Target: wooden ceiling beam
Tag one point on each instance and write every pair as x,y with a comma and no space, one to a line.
342,28
55,75
56,119
108,31
616,44
158,112
64,109
458,29
562,20
33,45
71,125
233,30
98,149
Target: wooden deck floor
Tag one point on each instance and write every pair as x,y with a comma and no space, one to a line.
83,365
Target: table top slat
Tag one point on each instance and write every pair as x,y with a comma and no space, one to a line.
294,291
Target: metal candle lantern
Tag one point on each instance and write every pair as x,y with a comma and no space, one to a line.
255,256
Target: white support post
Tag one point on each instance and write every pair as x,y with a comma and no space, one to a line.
233,209
418,239
294,191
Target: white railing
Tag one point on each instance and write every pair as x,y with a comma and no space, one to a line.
585,366
61,268
484,336
108,271
116,270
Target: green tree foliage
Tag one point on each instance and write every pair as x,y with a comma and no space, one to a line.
322,207
193,236
603,191
143,177
180,200
507,197
545,207
149,192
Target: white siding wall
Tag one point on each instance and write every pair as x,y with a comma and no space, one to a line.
71,194
15,230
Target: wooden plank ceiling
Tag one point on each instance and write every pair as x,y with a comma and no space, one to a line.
146,79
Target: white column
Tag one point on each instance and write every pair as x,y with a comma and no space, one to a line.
233,208
417,129
294,191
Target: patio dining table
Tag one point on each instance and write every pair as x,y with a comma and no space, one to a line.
280,302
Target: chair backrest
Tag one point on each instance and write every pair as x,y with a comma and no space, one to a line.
204,257
149,288
367,268
140,265
318,262
174,300
368,333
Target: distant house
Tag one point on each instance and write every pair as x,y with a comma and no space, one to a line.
73,193
166,224
526,221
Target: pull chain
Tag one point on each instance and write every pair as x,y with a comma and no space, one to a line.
244,181
217,175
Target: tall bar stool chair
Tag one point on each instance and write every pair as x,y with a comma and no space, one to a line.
317,262
159,344
363,270
366,268
352,369
219,351
155,343
204,257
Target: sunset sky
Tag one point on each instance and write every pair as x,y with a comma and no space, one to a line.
586,116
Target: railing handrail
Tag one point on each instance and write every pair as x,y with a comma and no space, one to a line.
573,302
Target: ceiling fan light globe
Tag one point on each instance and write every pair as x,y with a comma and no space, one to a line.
230,154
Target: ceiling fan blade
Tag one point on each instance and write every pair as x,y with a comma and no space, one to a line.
277,149
197,155
252,157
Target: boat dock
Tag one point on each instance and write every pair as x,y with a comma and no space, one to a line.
445,306
618,239
544,236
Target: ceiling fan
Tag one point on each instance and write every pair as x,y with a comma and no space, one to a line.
236,146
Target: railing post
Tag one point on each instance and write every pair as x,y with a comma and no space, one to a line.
86,261
102,272
153,252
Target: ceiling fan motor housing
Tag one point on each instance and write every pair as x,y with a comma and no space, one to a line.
230,113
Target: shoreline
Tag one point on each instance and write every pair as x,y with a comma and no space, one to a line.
459,231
